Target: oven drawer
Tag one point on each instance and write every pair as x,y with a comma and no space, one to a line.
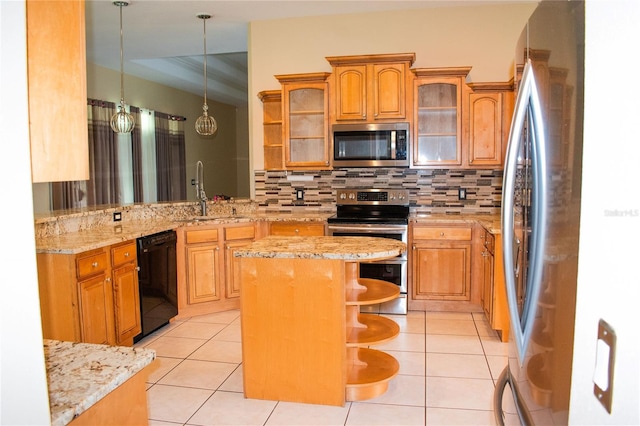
442,233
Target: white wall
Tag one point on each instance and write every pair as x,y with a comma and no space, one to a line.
23,386
483,37
608,283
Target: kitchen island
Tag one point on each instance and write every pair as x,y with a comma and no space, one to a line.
303,336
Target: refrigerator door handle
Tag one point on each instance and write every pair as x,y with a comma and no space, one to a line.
527,106
503,380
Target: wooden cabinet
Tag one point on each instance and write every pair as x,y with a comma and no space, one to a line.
235,237
437,116
91,297
126,293
441,263
203,271
305,112
370,88
57,90
208,282
272,127
494,297
297,228
490,106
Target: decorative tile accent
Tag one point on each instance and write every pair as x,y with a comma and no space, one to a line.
432,191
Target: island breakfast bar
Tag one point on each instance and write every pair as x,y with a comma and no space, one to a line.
303,336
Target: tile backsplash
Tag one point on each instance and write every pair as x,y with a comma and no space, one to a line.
431,191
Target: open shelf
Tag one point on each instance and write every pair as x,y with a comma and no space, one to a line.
368,373
370,329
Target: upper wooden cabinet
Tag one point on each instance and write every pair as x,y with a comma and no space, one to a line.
438,116
56,61
489,106
305,112
369,88
272,126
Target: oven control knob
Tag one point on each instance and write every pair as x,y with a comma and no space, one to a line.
343,196
352,196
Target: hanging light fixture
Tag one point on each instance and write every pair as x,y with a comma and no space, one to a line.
205,124
122,121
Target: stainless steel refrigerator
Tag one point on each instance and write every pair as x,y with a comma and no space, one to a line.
541,216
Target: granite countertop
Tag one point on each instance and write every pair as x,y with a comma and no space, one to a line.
116,232
81,374
491,223
102,236
346,248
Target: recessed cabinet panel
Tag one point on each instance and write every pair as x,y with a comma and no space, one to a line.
96,317
351,92
389,96
203,263
485,129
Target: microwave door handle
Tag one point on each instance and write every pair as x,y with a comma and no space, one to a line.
393,144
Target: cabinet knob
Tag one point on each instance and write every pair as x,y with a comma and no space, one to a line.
94,264
297,231
442,234
108,279
126,254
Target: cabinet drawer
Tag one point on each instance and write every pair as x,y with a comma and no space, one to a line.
92,264
240,233
297,229
442,233
202,236
123,254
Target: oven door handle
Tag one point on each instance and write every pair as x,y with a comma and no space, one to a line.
367,228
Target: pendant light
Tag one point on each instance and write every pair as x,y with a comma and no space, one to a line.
122,121
205,124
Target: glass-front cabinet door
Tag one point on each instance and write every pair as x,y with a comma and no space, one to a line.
437,136
305,128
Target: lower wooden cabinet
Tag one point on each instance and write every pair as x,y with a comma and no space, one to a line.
96,316
441,258
494,297
90,297
206,278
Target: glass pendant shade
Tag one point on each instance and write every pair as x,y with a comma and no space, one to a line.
206,125
122,121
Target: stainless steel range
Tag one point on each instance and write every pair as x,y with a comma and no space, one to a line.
380,213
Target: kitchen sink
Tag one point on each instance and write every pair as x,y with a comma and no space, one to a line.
210,218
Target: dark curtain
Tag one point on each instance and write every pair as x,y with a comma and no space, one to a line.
170,158
136,146
102,186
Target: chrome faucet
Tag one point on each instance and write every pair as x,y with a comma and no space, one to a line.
200,194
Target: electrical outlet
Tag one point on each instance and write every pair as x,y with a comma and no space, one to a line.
462,194
193,182
117,216
299,194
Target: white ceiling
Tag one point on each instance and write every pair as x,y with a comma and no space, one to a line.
163,40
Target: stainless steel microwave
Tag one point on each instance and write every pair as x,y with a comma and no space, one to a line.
370,145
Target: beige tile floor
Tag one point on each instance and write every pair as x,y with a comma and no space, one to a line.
449,363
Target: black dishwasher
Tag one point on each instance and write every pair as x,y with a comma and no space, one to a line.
157,279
